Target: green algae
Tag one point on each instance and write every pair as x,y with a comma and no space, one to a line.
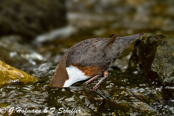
9,74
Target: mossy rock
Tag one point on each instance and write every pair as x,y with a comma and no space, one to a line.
153,58
10,74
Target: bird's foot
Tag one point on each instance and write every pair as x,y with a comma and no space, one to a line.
90,80
102,79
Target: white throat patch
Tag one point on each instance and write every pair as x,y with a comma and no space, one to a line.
75,75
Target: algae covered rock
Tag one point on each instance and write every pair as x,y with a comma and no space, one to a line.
10,74
153,57
163,62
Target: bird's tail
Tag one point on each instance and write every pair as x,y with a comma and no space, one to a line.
119,44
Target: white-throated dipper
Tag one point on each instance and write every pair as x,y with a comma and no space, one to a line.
89,59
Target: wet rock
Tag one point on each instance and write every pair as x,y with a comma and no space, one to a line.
126,104
17,53
163,62
148,95
143,107
10,74
30,18
153,57
44,70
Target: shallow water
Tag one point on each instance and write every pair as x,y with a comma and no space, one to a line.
119,94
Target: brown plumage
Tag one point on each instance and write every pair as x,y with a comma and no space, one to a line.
91,56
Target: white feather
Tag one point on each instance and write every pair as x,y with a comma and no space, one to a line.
75,75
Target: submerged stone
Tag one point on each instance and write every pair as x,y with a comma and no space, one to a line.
10,74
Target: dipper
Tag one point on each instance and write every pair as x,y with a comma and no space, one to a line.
89,59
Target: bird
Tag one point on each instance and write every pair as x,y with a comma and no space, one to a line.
90,59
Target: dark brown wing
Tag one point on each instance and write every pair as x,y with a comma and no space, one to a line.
98,51
90,52
119,45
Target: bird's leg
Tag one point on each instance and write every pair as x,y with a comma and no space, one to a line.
90,80
102,79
